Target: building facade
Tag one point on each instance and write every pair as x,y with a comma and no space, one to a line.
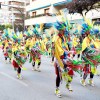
15,11
4,17
44,11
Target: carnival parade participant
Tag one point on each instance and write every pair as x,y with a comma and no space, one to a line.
35,57
7,48
61,57
88,50
19,59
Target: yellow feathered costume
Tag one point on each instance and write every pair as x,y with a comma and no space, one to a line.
59,50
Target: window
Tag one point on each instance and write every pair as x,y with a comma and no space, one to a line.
34,14
46,11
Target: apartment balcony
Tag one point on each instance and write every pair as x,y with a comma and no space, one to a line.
42,19
51,19
21,1
15,12
19,18
35,5
14,3
17,6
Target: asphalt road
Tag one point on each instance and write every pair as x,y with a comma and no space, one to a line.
41,85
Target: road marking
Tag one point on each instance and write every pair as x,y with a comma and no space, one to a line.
14,79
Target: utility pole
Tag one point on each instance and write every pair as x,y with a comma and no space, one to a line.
0,5
12,19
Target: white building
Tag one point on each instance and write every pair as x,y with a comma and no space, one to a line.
12,10
4,17
41,11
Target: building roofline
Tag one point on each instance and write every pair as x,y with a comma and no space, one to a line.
39,8
54,4
61,3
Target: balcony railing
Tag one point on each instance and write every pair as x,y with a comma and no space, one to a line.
41,19
20,1
17,6
28,17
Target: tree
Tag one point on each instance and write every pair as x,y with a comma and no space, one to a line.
2,27
20,27
78,6
8,26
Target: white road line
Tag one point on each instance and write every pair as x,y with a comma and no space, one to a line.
14,79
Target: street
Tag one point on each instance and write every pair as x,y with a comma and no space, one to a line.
41,85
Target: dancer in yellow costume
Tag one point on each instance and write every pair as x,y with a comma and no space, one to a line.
89,43
61,56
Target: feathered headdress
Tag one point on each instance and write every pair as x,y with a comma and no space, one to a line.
36,31
62,26
59,26
85,28
96,31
